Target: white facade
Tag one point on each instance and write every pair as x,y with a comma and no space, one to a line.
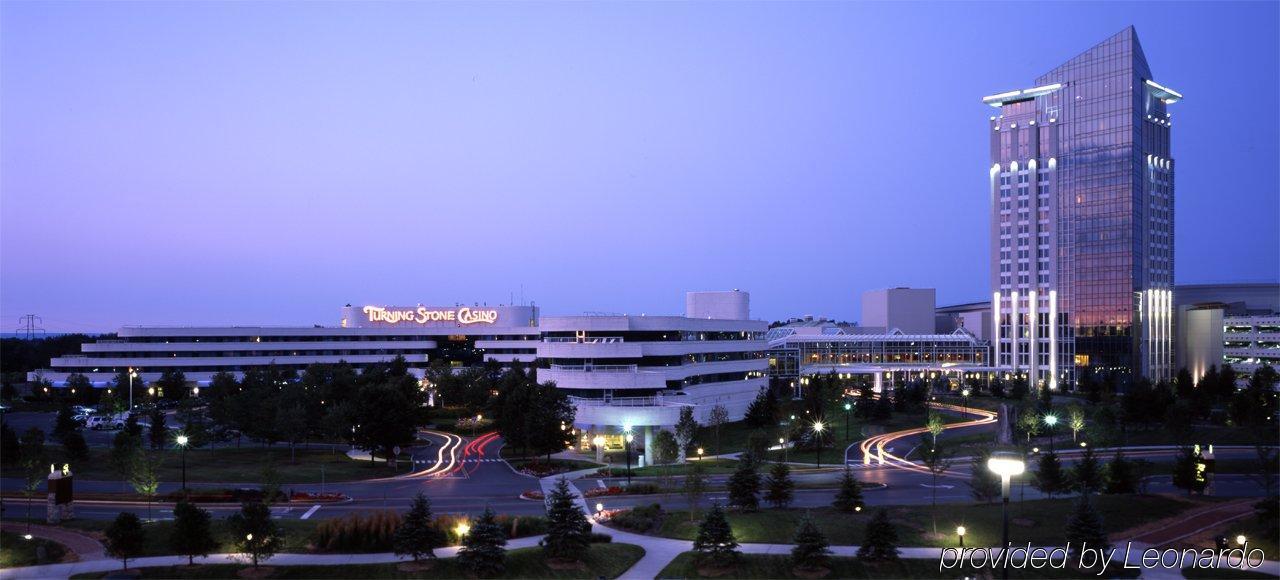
1250,342
910,310
729,305
640,370
1200,341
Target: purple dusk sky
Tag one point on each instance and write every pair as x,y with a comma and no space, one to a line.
242,162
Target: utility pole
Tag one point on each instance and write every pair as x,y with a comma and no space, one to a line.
29,326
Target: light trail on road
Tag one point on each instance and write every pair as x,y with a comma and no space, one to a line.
874,446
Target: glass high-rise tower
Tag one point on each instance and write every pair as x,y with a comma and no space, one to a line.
1082,219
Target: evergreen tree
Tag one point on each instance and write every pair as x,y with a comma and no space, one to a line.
1121,476
159,433
125,538
191,535
811,551
1086,476
64,424
132,427
75,446
778,486
984,485
1050,478
482,550
744,486
417,535
1084,527
849,497
883,409
568,532
686,429
254,532
1184,384
10,447
763,411
715,544
880,542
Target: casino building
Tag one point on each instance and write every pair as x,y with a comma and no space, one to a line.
620,370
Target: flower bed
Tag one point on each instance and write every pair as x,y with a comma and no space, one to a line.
604,492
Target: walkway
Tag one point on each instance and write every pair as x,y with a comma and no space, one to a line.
83,546
1163,533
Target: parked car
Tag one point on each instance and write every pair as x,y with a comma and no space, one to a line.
105,422
83,410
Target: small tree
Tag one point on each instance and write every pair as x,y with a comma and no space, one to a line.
716,419
417,535
1050,478
880,542
568,532
254,532
664,453
482,548
1084,527
125,538
191,535
744,486
763,411
34,461
779,486
291,422
936,425
812,551
695,486
144,476
715,544
1121,476
937,461
686,430
1087,474
849,497
984,485
1075,420
1029,422
159,432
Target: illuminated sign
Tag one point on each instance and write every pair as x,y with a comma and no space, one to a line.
423,315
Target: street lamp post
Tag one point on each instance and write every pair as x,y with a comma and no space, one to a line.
182,442
960,533
964,393
782,442
699,454
628,438
1050,420
132,374
1006,465
817,436
847,407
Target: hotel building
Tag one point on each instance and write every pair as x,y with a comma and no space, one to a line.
619,370
1081,195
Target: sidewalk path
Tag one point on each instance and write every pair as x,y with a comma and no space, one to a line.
1166,532
83,546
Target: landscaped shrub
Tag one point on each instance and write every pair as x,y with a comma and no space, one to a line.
512,526
643,488
640,519
372,532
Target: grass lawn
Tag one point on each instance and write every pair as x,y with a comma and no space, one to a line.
231,465
1035,521
15,551
559,465
1253,531
711,467
601,561
779,566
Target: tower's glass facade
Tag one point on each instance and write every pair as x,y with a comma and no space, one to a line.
1082,218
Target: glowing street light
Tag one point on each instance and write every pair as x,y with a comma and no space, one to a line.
599,507
182,442
1240,539
1050,420
699,454
1006,465
847,407
462,529
817,436
628,438
960,533
965,394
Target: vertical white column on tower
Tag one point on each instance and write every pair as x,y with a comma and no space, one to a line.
1053,340
1033,366
1013,330
995,326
